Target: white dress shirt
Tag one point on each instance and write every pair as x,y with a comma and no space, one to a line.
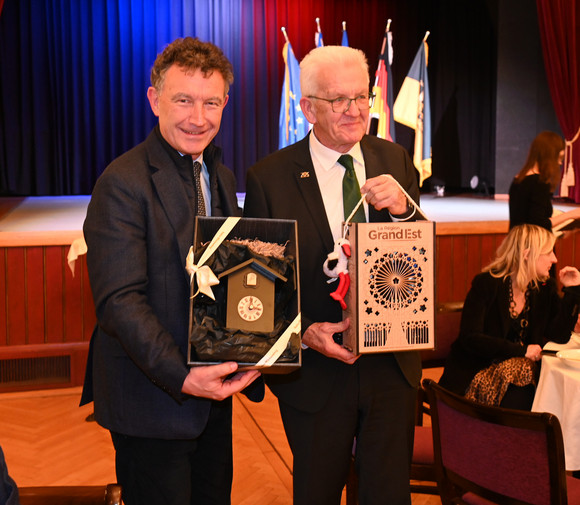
329,173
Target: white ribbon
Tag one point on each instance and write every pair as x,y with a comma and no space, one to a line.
204,276
278,348
409,199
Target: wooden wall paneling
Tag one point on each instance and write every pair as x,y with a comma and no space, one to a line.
445,322
488,247
3,291
575,245
473,259
15,297
72,304
459,262
444,269
35,306
54,294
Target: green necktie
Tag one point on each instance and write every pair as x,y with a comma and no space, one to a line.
351,190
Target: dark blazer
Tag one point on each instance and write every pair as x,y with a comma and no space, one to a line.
139,227
284,186
485,327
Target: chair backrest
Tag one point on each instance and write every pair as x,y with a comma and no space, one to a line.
71,495
505,456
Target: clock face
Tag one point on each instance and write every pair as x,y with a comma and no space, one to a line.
250,308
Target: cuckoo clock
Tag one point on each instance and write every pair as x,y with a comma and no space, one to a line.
250,296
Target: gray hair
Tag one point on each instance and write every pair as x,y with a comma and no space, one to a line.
319,59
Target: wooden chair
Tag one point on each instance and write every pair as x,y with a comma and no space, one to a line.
490,455
71,495
423,477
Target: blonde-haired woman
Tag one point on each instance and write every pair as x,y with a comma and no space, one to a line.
512,309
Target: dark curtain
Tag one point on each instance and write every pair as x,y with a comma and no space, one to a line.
74,75
559,22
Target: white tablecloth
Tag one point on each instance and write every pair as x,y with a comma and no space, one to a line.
558,392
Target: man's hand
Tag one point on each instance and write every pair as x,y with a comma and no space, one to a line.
213,382
318,336
383,192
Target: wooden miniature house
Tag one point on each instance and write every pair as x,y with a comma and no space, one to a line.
250,296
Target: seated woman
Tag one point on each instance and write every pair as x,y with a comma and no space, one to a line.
512,309
530,194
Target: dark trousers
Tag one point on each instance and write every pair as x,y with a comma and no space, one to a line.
372,402
179,472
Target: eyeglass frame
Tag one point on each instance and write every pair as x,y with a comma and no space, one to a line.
371,98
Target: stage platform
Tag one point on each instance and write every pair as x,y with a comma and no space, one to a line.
58,220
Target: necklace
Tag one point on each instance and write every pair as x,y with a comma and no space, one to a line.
522,316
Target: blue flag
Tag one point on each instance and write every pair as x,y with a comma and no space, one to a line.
413,109
318,39
293,124
344,35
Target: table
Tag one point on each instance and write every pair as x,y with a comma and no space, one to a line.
558,393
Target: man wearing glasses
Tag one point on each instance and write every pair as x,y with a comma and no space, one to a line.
338,397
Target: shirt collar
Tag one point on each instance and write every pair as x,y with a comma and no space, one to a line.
199,158
327,157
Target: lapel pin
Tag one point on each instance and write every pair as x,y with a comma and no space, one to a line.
304,175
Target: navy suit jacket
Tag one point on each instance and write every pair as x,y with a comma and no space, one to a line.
138,229
284,186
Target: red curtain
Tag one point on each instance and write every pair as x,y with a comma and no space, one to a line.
559,22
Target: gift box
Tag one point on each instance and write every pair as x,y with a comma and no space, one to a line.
245,299
391,298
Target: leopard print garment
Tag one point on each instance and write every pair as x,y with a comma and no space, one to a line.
490,384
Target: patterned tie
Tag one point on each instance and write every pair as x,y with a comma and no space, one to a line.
351,190
200,207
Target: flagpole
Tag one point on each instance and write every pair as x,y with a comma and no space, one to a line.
426,47
318,24
343,26
385,37
285,34
376,76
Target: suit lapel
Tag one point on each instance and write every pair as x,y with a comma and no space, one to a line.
172,194
307,184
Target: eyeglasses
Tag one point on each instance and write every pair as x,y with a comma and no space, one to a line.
342,103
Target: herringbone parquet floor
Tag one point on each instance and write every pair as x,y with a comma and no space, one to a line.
47,441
